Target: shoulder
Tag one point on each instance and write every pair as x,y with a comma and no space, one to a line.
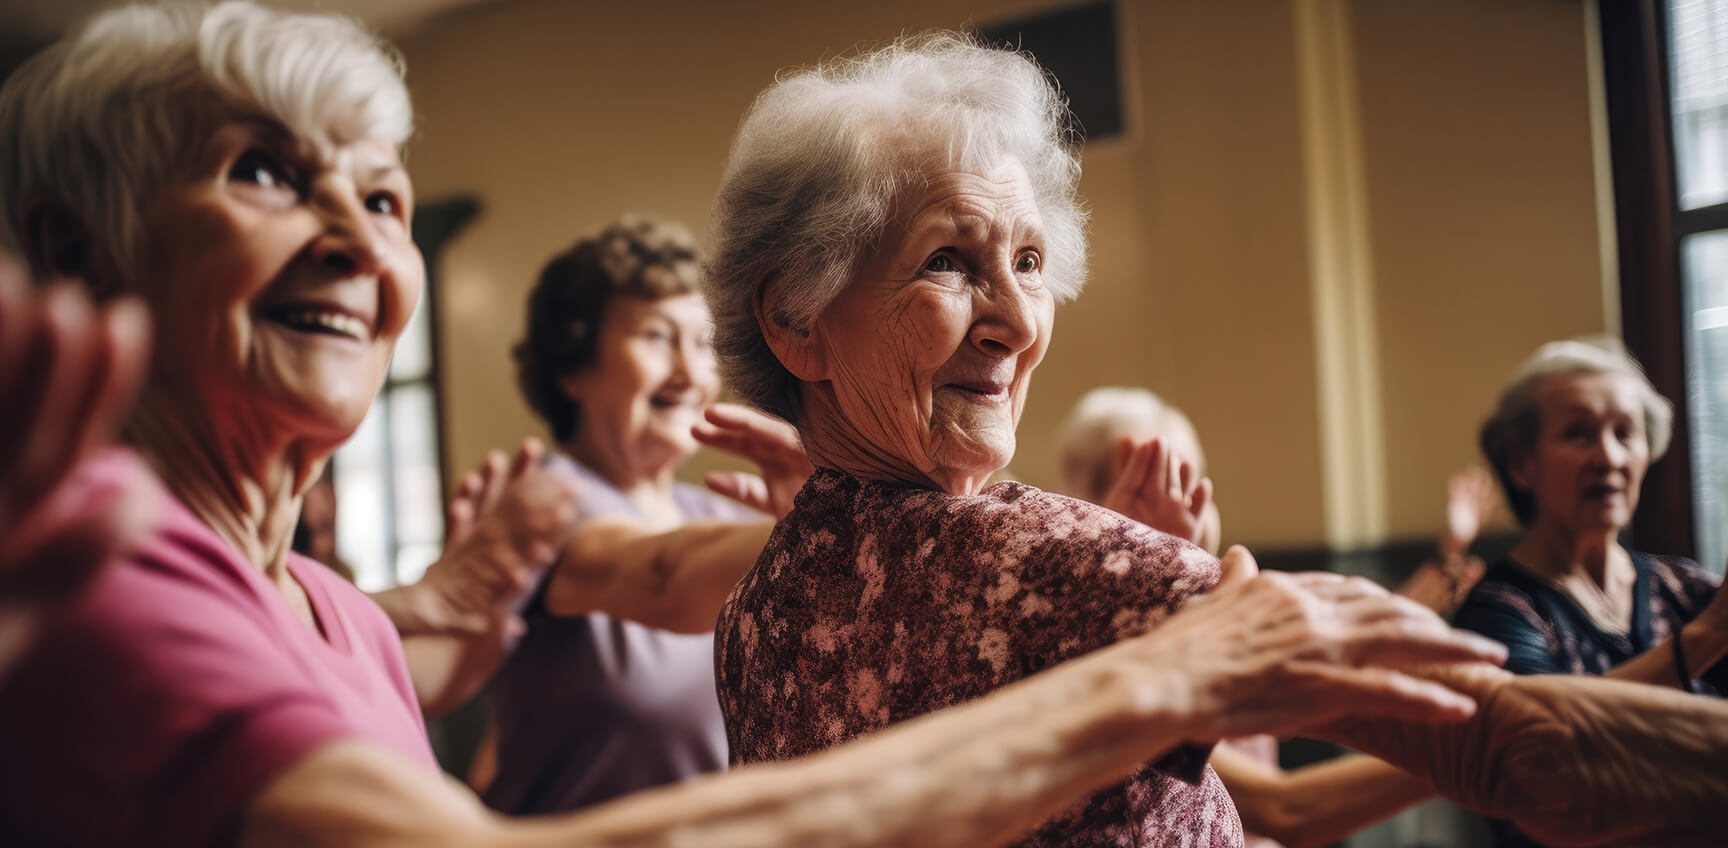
1503,598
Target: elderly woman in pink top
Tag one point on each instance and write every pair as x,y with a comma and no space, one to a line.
238,170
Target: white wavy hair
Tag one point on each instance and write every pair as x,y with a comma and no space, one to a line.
100,121
1086,441
1512,430
821,157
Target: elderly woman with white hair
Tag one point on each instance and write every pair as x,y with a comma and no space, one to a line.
893,234
1574,432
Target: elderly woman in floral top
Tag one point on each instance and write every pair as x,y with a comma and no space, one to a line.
893,236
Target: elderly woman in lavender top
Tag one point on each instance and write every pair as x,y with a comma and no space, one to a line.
617,361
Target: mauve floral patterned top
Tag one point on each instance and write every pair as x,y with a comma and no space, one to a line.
874,603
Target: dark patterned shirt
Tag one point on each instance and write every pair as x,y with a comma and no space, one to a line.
1546,632
874,603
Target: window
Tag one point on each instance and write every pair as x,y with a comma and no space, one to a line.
1665,64
389,476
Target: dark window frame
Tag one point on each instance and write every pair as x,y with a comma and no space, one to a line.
1650,227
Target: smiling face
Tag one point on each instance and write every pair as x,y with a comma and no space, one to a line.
1591,452
280,273
653,374
930,350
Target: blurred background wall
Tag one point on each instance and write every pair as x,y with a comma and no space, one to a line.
1460,132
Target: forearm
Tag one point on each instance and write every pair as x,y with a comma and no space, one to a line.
974,775
447,670
1571,760
1318,804
1703,646
676,580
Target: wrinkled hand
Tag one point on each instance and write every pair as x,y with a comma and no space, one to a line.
1159,489
505,526
68,373
1470,499
1275,652
770,443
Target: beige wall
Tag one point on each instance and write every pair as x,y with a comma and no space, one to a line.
561,115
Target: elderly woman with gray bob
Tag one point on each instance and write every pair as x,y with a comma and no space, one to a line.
1577,427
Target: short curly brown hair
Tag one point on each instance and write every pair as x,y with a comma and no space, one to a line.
633,257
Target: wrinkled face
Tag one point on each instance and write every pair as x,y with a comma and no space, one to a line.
280,272
652,377
1591,452
931,348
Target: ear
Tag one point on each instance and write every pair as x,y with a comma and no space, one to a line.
1519,471
572,385
800,349
55,243
58,244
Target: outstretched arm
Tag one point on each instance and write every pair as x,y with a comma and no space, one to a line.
1571,760
1318,804
675,580
1264,653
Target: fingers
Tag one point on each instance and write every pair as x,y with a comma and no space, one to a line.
126,331
1136,467
1338,691
1159,478
52,381
493,478
741,486
1238,567
527,456
1202,497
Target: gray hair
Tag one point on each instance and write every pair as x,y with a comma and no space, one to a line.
1511,432
823,154
1087,439
100,121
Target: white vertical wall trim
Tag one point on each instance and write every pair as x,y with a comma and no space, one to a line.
1347,350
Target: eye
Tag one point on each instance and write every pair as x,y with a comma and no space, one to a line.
1028,262
941,263
383,203
255,167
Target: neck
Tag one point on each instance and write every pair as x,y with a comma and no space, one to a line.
831,442
1557,551
245,489
647,485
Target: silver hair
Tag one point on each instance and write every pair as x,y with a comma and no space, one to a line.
99,122
1087,438
1511,432
821,157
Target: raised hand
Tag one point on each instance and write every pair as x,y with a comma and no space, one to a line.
68,373
1470,500
770,443
507,523
1275,653
1159,489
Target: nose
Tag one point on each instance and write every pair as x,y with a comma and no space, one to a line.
347,242
1610,453
1006,317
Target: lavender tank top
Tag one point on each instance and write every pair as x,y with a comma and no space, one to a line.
591,707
